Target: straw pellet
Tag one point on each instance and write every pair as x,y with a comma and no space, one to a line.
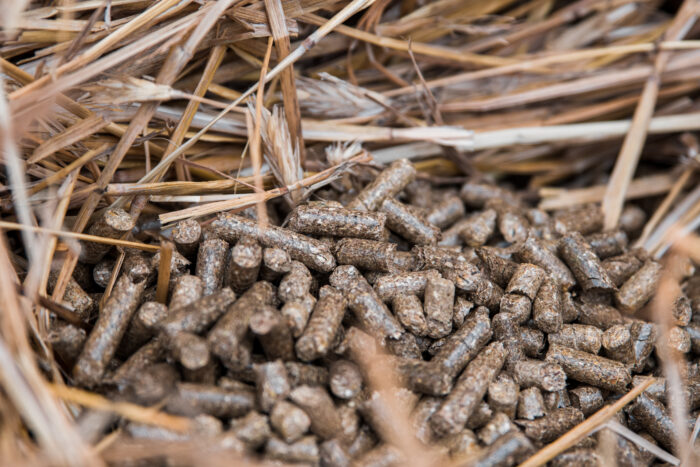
186,235
578,336
639,288
510,449
386,185
553,425
409,223
518,306
289,421
476,195
498,426
446,212
618,344
390,286
681,311
271,329
304,450
534,251
607,244
101,272
144,325
531,403
587,399
313,253
345,379
438,306
198,315
66,341
323,326
461,311
203,426
532,341
409,311
297,313
108,331
243,264
151,385
480,228
190,350
151,353
272,383
186,290
678,339
487,294
526,280
211,260
497,265
584,263
114,223
469,389
622,267
546,376
305,374
590,369
654,417
366,254
450,237
193,399
333,453
547,307
337,222
74,297
253,429
318,405
503,395
276,262
599,315
586,219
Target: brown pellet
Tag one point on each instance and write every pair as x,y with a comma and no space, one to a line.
318,405
590,369
587,399
618,345
526,280
66,341
276,262
186,290
114,223
380,456
366,254
498,426
553,425
101,272
409,311
198,315
304,450
297,313
367,307
75,297
438,306
531,403
243,264
461,311
144,325
622,267
546,376
271,329
547,307
534,251
390,286
653,416
386,185
607,244
518,306
446,212
323,326
584,263
556,400
681,311
227,336
510,449
503,395
451,237
578,336
253,429
477,194
204,426
334,454
409,223
462,445
487,294
345,379
584,219
532,341
632,218
272,382
678,339
190,350
469,389
289,421
150,385
151,353
338,222
313,253
599,315
639,288
194,399
480,228
186,235
499,268
304,374
211,259
480,417
108,331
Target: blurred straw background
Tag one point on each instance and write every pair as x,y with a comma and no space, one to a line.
177,109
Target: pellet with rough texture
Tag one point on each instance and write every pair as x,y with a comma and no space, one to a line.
584,263
318,405
313,253
368,255
656,420
599,315
345,379
114,223
211,259
304,450
438,306
190,350
590,369
547,307
271,329
497,264
66,341
531,403
272,382
477,194
498,426
503,395
323,326
533,251
553,425
338,222
509,449
409,223
243,264
546,376
289,421
409,311
276,262
622,267
518,306
386,185
578,336
194,399
108,331
587,399
406,283
639,288
186,290
334,454
198,315
296,313
253,429
607,244
186,235
446,212
144,325
586,219
526,280
480,228
469,390
74,296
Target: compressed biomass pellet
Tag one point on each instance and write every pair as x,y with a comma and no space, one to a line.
66,341
409,311
503,395
211,259
477,194
271,330
323,326
445,213
526,280
584,219
498,426
517,306
590,369
304,450
74,297
498,265
579,337
409,223
338,222
276,262
544,375
394,285
386,185
438,306
289,421
193,399
584,263
639,288
114,223
607,244
366,254
479,229
656,420
345,379
296,313
531,404
272,382
587,399
509,449
190,350
243,264
547,307
253,429
533,251
186,235
318,405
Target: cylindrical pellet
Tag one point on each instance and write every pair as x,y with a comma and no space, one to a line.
499,268
656,420
503,395
587,399
295,285
518,306
144,325
437,306
599,315
409,223
289,421
114,223
187,289
243,264
323,325
108,331
75,297
546,376
590,369
304,450
194,399
607,244
578,336
622,267
531,404
585,219
318,405
313,253
272,382
547,307
639,288
366,254
190,350
509,449
333,453
526,280
338,222
618,344
584,263
253,429
276,262
469,390
297,313
211,259
66,341
499,425
386,185
445,213
198,315
480,228
553,425
186,235
409,311
345,379
533,251
477,194
390,286
271,329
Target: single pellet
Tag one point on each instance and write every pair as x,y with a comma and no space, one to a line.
338,222
462,445
476,195
409,311
578,336
101,272
243,264
304,374
366,254
622,267
653,416
253,429
682,311
211,259
639,288
480,417
271,329
276,262
390,286
469,390
150,385
186,235
518,306
632,218
386,185
272,383
367,307
451,237
526,280
403,261
546,376
297,313
194,399
497,265
323,326
345,379
607,244
304,450
584,263
553,425
556,400
590,369
461,311
334,454
547,307
75,297
437,305
585,219
618,344
445,213
531,403
678,339
599,315
409,223
510,449
534,251
318,405
190,350
108,331
587,399
144,325
203,426
66,341
226,337
532,341
404,346
487,294
480,228
198,315
186,290
150,354
289,421
503,395
313,253
115,223
498,426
